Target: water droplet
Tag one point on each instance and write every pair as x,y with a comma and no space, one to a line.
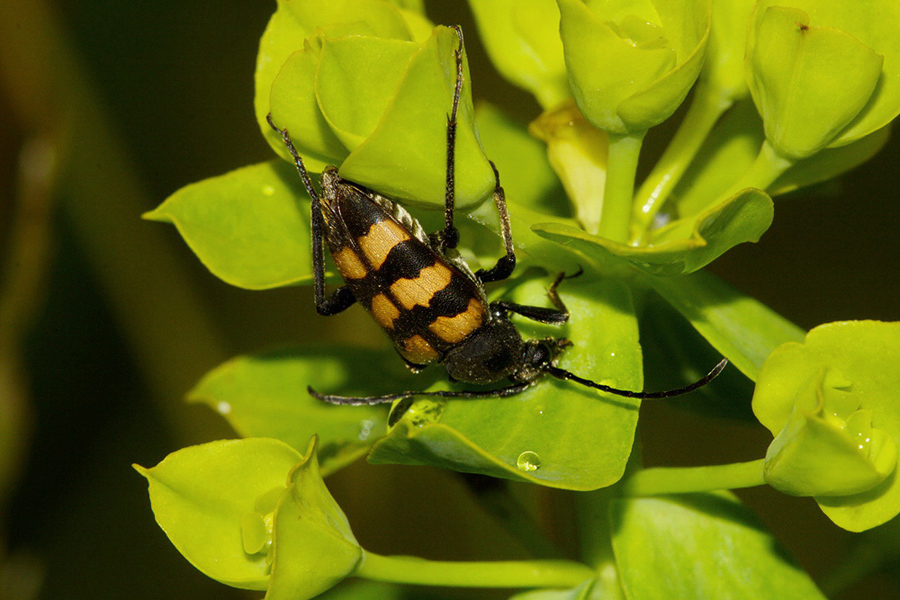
224,408
425,411
528,461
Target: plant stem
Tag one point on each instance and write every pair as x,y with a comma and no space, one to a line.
663,480
617,196
766,168
491,574
706,107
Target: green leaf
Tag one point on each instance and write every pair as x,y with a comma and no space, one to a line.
742,218
525,172
294,106
406,156
247,226
701,546
741,328
297,20
313,547
872,23
675,355
202,495
531,249
548,434
861,383
809,82
356,80
630,66
522,40
264,395
420,27
410,6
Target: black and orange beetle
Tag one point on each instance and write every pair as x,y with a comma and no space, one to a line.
425,297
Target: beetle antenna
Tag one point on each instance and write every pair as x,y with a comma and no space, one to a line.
517,389
563,374
465,394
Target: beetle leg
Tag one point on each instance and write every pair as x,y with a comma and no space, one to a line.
554,295
506,264
449,236
551,316
342,298
541,314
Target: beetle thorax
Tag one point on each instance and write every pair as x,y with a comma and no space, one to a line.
492,353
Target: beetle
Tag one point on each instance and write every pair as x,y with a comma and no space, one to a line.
426,298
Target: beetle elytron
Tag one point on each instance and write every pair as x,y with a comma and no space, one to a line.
424,296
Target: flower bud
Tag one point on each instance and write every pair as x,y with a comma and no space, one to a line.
630,66
363,93
313,547
808,82
818,453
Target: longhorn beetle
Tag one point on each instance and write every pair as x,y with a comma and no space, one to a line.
424,295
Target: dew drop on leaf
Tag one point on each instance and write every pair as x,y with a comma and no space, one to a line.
528,461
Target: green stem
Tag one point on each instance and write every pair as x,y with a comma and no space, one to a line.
617,195
493,574
706,108
683,480
766,168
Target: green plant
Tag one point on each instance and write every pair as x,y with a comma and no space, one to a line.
783,97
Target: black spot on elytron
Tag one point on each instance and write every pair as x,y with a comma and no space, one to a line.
454,298
406,260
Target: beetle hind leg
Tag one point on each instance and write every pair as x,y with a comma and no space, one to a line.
506,264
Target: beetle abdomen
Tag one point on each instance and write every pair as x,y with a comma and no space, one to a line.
424,303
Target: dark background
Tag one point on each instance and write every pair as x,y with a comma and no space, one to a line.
139,98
